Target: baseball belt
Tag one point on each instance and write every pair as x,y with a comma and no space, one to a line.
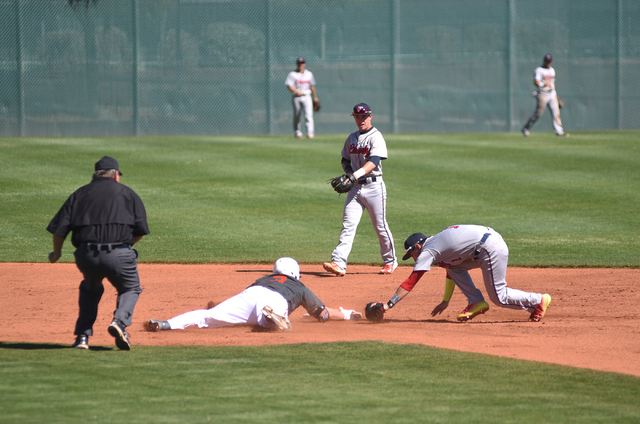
484,238
366,180
104,246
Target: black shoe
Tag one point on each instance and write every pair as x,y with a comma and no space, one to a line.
82,342
121,336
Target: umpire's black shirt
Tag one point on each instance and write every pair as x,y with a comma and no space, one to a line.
103,211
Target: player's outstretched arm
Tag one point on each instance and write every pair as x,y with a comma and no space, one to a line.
344,314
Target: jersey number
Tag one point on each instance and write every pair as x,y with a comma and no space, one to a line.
279,278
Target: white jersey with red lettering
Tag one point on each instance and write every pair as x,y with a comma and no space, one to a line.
358,148
301,81
545,78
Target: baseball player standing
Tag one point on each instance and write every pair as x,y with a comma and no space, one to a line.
267,303
302,86
460,248
545,82
107,219
364,151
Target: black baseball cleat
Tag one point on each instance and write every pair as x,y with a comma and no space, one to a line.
82,342
121,336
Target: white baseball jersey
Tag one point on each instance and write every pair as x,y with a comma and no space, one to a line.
301,81
545,78
358,148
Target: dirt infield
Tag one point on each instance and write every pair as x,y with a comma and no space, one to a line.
592,321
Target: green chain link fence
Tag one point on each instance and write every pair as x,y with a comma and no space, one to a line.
154,67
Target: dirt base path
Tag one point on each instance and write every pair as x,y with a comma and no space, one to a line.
592,321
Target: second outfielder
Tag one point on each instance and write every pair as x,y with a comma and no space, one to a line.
545,82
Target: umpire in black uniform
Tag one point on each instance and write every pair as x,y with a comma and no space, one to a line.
107,219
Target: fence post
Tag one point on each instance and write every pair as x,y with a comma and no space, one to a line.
395,52
267,67
619,20
510,63
134,82
21,124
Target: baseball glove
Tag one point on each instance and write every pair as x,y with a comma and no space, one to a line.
343,183
374,311
316,105
560,102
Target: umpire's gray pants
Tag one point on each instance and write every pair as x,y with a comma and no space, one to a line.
119,266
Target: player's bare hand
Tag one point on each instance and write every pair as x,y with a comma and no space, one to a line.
438,309
53,257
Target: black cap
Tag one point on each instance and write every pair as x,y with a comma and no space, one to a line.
547,58
107,162
410,242
300,60
361,109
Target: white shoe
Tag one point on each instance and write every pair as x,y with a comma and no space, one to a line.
334,268
388,269
526,132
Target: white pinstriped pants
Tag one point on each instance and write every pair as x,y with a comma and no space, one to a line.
302,104
373,198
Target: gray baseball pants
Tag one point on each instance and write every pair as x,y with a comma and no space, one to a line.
492,259
119,266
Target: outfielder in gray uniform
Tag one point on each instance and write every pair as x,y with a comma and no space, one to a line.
545,82
364,151
460,248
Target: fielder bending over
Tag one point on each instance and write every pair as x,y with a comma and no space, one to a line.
267,303
460,248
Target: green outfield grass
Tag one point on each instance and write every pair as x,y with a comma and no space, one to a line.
366,382
557,201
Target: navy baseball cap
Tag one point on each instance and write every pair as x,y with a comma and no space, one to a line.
300,60
361,109
547,58
107,162
410,243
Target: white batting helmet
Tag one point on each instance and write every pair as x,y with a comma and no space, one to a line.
287,266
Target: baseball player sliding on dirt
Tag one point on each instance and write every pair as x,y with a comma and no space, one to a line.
267,303
460,248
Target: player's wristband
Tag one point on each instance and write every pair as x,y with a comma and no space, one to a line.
359,173
394,299
448,290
